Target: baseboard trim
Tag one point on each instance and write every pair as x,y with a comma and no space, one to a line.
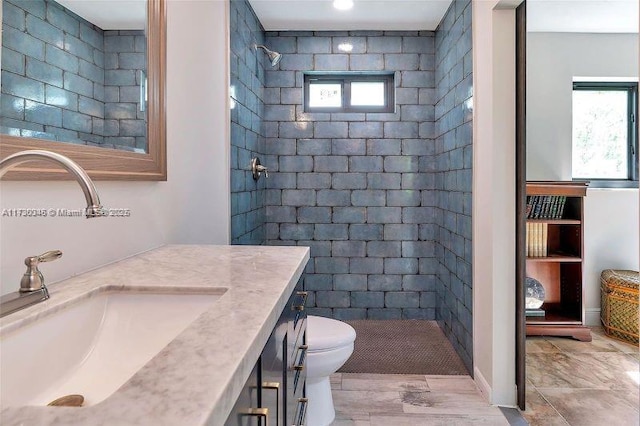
592,317
482,384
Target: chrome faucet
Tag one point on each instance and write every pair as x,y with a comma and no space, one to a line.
32,287
94,209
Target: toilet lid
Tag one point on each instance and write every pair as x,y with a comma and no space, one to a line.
326,333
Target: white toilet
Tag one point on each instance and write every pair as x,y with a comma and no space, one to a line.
330,344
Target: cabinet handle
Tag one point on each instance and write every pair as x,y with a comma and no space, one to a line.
303,349
300,307
302,404
274,386
259,413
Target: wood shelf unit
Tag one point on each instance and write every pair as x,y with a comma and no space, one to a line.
560,272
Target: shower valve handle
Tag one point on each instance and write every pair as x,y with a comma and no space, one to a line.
257,169
263,169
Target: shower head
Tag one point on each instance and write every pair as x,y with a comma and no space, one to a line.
274,57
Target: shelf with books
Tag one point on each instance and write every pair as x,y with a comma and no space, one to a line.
551,239
545,206
556,221
554,257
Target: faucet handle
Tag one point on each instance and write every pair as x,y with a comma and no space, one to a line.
263,169
32,279
47,256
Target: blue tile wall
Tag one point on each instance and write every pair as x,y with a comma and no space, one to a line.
125,55
351,186
54,74
452,172
383,200
247,132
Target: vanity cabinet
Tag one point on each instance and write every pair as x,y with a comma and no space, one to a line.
274,394
247,411
556,219
296,371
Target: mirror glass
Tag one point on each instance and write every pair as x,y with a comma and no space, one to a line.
57,69
75,71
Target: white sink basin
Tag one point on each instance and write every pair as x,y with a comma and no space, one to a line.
94,346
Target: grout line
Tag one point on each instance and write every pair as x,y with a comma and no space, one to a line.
552,406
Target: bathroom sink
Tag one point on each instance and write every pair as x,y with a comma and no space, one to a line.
94,346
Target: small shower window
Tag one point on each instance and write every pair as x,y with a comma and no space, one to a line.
367,93
354,92
325,95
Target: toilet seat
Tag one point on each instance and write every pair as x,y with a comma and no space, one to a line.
324,334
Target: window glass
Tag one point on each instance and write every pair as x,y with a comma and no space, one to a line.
323,95
353,92
600,134
367,93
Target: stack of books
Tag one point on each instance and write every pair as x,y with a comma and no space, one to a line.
545,206
536,239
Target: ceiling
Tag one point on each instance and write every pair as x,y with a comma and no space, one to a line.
599,16
582,16
110,14
318,15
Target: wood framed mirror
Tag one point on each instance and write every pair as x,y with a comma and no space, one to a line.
108,163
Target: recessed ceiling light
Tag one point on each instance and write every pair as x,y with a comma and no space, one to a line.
343,4
345,47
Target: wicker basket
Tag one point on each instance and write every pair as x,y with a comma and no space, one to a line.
619,304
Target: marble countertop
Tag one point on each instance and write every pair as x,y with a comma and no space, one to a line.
196,378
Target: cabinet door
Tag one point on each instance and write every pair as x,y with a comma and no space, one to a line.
247,411
296,382
275,392
297,366
274,360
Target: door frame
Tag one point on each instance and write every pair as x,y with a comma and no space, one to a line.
521,196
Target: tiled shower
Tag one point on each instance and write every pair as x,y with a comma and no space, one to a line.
382,199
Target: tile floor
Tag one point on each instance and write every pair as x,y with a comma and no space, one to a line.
582,383
410,400
569,383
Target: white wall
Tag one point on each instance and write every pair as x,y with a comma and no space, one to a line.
611,215
610,240
494,201
198,87
191,207
553,60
